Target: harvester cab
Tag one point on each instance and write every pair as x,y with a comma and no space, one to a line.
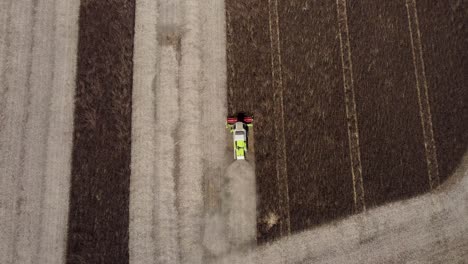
239,127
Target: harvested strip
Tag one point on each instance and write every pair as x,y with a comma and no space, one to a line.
142,197
59,141
239,205
190,202
98,220
36,99
31,177
216,154
167,120
15,92
167,115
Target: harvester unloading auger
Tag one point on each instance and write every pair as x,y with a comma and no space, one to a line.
239,127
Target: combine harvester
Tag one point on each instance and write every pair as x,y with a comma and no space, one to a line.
239,127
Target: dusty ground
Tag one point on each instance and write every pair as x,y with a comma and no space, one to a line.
356,105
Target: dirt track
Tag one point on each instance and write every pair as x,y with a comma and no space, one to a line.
397,52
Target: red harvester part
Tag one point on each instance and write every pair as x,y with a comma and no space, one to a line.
248,119
231,120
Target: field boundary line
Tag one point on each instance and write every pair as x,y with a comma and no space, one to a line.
350,102
281,158
423,96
